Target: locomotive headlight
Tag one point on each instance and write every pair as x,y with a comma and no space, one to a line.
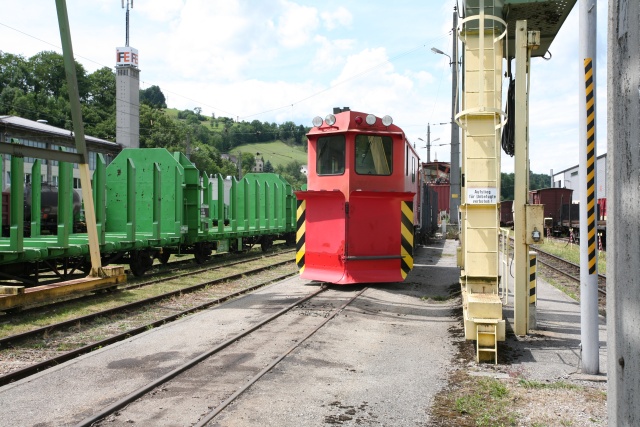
317,121
330,119
371,119
387,120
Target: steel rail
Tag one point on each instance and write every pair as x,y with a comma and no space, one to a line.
138,285
538,249
131,397
572,277
603,277
573,264
33,369
197,271
46,329
211,415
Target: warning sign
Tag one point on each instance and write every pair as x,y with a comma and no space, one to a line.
482,196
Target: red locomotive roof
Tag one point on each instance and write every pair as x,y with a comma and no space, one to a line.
355,121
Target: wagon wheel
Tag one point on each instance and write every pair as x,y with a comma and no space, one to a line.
164,256
139,262
290,239
201,253
266,242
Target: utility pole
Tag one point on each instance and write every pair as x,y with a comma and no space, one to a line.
127,21
454,203
428,143
587,173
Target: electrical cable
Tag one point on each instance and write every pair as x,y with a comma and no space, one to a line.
508,132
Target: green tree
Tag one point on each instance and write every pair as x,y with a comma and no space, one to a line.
13,72
292,174
99,112
268,167
159,130
507,184
153,97
47,75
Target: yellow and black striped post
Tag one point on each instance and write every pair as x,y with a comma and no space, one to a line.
300,233
533,293
591,170
406,246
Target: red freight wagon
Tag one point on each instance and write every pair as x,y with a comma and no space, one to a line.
444,196
552,199
358,217
506,213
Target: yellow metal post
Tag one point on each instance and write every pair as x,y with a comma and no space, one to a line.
527,219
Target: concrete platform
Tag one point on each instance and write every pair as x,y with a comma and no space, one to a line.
551,351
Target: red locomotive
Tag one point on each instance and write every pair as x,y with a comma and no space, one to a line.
358,217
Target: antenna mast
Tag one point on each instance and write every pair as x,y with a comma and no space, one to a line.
127,35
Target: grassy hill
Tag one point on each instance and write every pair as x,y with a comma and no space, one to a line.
277,152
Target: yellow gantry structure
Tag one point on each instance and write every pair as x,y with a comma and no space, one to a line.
481,119
493,30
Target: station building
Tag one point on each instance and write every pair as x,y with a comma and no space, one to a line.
38,134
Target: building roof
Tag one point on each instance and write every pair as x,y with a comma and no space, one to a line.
574,167
27,125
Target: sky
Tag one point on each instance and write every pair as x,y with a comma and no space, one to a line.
292,60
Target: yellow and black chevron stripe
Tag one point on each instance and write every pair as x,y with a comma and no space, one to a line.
532,277
591,173
300,233
406,247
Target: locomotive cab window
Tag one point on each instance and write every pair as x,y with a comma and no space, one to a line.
374,155
330,155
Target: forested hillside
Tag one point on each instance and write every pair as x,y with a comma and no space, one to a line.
536,182
35,88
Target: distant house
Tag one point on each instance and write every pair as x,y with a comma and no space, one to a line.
230,157
258,166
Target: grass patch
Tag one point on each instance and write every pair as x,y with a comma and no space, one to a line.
475,401
571,252
277,152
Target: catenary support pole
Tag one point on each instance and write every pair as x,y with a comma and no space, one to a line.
588,196
78,127
428,143
454,202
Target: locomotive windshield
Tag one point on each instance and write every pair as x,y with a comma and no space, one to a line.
330,155
374,155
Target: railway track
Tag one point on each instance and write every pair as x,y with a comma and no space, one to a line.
295,323
158,274
237,284
567,268
567,276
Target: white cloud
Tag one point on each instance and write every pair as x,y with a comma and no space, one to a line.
339,17
296,24
330,53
